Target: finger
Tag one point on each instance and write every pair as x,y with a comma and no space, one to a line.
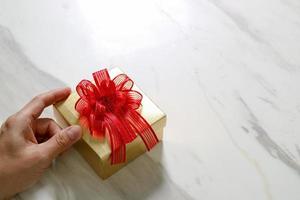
36,106
61,141
45,128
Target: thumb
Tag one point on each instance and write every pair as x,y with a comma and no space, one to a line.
62,141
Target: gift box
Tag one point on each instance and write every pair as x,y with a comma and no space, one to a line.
97,151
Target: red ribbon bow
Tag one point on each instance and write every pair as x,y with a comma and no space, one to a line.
110,106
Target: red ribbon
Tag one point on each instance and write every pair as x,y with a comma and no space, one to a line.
110,107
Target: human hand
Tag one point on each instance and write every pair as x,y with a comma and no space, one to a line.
28,144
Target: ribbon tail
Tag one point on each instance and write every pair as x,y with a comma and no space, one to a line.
129,134
117,145
143,128
118,149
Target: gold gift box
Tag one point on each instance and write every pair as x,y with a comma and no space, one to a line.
96,152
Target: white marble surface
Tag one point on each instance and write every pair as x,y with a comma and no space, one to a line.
225,72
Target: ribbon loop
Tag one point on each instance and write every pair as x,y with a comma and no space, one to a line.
110,106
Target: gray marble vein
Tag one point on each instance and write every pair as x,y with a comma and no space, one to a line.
266,141
252,32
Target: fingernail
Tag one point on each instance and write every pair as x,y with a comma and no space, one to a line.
74,132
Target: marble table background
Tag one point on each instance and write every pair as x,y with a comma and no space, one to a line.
227,73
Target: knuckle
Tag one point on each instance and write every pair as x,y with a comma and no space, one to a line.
62,139
38,99
11,121
52,96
